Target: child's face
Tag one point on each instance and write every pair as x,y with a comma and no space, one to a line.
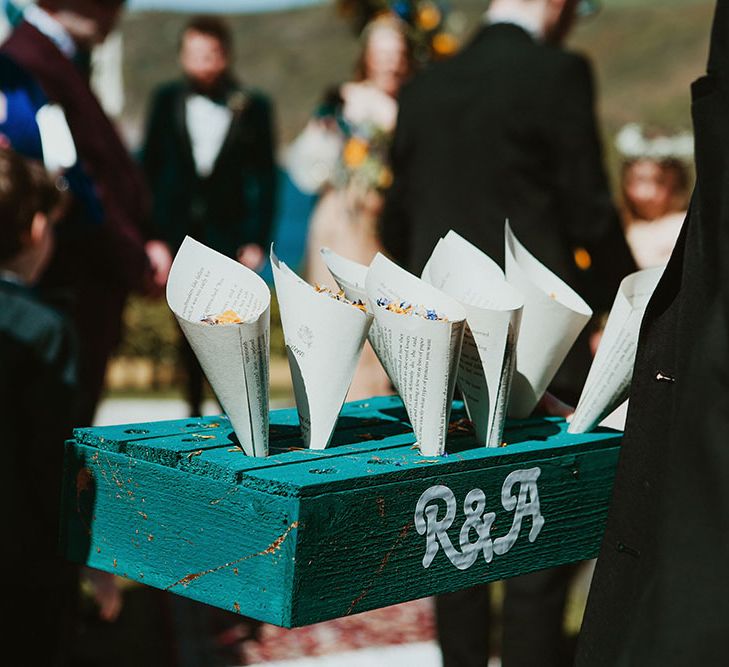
648,189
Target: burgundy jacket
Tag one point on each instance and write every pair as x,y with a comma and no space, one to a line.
110,253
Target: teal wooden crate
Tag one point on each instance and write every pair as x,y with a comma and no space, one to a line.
304,536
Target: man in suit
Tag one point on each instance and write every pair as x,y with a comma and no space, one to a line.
659,593
209,159
102,251
507,129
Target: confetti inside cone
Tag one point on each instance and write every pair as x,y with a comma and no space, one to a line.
417,335
324,335
202,286
493,314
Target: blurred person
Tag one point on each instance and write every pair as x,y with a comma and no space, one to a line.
38,401
208,156
506,129
209,159
50,113
654,183
658,595
342,153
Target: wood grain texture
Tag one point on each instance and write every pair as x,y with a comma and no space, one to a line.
209,540
303,535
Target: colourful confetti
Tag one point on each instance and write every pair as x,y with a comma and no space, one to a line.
226,317
407,308
339,296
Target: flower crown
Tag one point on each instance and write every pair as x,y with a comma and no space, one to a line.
433,31
633,143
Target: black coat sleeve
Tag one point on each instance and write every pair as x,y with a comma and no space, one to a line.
261,182
153,151
590,219
395,225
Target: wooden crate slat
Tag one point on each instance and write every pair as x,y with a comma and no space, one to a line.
402,462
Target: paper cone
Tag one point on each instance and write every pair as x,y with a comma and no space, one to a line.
608,382
234,357
553,316
493,314
419,355
349,275
324,339
453,244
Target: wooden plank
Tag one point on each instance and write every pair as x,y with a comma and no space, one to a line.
218,543
402,463
360,549
354,415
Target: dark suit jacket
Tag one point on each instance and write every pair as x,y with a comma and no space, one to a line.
659,596
37,403
506,129
232,206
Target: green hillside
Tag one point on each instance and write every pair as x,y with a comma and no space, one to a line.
645,52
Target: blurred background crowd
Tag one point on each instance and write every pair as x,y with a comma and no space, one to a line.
265,122
297,55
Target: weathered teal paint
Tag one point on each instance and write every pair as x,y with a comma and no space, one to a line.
303,536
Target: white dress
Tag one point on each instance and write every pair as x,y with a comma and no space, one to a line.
652,241
346,216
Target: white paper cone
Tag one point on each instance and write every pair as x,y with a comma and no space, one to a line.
553,316
493,314
453,244
419,355
324,339
234,357
608,382
349,275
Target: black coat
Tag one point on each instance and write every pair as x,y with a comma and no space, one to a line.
232,206
37,407
506,129
660,595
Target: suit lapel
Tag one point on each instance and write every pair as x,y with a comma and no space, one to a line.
238,100
180,129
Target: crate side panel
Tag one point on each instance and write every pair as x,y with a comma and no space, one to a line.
362,549
215,542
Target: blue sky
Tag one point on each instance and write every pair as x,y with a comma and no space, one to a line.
231,6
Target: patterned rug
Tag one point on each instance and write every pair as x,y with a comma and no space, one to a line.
405,623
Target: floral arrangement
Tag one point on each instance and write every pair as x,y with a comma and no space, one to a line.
364,163
434,29
634,142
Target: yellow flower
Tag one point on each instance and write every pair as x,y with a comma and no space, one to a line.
444,44
429,16
355,152
582,259
384,179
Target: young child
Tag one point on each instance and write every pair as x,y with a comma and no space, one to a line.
655,186
37,395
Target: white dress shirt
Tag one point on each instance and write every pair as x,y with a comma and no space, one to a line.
499,15
207,123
